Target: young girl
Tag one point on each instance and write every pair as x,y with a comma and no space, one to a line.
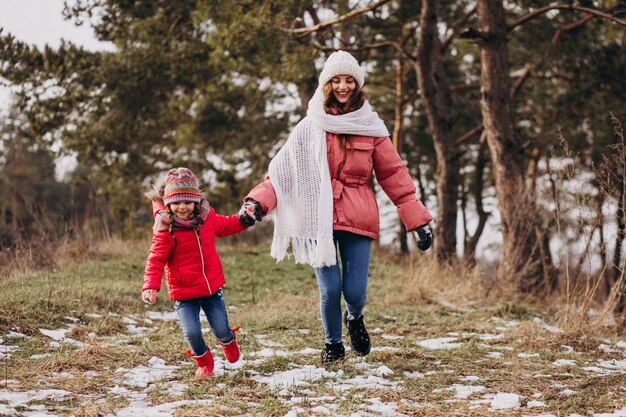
319,186
183,245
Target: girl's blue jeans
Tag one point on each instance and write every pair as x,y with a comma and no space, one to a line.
188,312
351,281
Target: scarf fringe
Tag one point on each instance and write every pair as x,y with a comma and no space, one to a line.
317,253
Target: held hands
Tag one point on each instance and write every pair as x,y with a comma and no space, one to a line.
149,296
424,237
250,212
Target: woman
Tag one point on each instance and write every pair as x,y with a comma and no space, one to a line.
319,185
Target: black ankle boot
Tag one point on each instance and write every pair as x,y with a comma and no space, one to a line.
333,352
359,339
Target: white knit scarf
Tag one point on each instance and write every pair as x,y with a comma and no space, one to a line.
301,179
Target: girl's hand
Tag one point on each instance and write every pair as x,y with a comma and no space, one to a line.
149,296
250,212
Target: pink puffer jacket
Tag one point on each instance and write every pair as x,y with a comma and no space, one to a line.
355,208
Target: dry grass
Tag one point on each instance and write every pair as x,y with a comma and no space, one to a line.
411,299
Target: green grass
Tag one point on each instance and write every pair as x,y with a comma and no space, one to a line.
280,301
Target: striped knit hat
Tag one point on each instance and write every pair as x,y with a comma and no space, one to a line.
181,185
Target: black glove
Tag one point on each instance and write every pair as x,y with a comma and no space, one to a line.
250,212
424,237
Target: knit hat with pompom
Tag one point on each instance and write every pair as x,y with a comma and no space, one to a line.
181,185
342,63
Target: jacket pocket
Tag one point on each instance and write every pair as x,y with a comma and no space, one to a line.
359,159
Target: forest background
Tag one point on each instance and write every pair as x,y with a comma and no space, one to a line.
508,115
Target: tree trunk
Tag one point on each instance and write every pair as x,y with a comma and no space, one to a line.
436,97
396,137
472,242
521,260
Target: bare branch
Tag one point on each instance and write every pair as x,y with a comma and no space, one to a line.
542,10
308,30
469,134
520,81
571,26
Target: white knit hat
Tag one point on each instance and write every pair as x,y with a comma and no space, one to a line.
342,63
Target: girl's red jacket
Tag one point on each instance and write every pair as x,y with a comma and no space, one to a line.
189,258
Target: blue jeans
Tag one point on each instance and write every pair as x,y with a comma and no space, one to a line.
351,281
188,312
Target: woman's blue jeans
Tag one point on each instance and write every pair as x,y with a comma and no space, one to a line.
188,312
351,281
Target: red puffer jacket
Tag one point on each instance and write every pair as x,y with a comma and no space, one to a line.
191,263
354,205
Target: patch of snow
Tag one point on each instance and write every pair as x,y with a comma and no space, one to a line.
539,415
57,335
361,382
505,400
414,375
308,351
321,410
386,409
564,362
528,355
40,356
618,413
304,331
377,330
16,335
301,376
385,349
440,343
391,337
143,375
606,348
567,392
164,316
495,355
383,371
489,336
469,378
463,391
613,364
533,404
144,409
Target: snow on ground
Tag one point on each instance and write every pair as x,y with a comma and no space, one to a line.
440,343
295,385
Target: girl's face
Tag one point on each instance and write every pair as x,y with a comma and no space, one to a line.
182,209
343,87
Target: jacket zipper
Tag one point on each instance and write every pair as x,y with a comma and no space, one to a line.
202,261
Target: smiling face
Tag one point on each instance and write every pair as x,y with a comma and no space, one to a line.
343,87
182,209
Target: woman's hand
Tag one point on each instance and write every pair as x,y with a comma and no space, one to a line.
424,237
250,213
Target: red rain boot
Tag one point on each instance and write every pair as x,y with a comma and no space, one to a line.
204,362
231,349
